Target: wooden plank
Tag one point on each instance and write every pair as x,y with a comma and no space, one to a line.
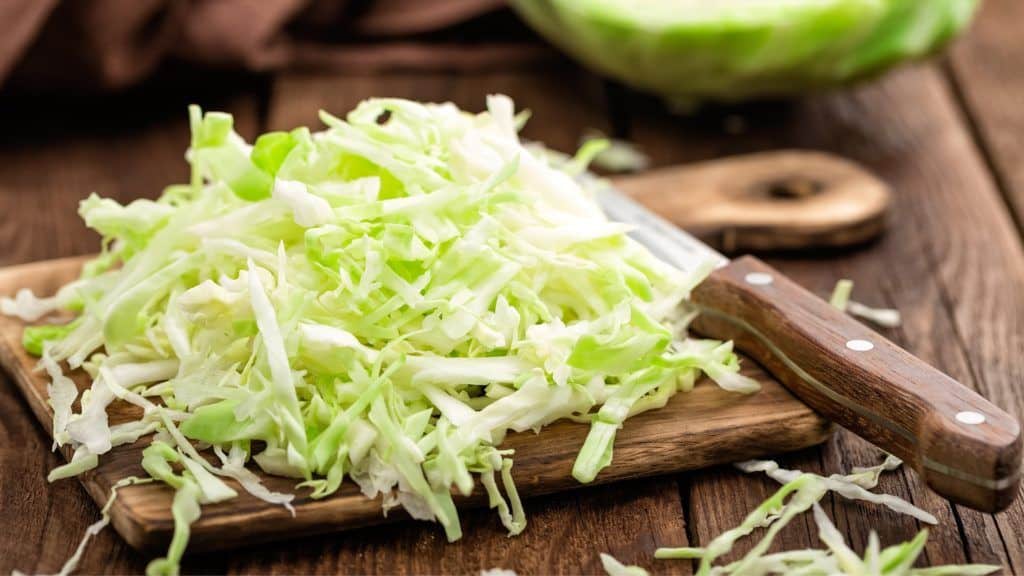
107,145
43,181
949,262
977,260
50,518
100,148
566,532
986,69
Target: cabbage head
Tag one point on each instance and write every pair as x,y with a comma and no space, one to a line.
693,50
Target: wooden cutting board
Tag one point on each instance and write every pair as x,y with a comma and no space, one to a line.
704,427
781,200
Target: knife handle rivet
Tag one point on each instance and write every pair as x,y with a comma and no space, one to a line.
758,279
970,417
859,345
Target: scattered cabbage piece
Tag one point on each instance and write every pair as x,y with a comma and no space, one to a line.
382,301
841,294
615,568
615,155
29,307
840,299
35,337
62,394
803,491
96,527
497,572
886,317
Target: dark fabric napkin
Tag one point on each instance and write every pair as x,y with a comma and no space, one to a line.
110,44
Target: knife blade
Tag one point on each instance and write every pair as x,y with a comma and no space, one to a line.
964,447
665,240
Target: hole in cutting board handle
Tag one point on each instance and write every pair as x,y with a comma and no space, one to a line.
769,201
794,188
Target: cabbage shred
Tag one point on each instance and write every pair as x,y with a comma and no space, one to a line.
380,301
799,493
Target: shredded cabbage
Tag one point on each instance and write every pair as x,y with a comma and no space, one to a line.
841,294
840,299
887,317
380,301
799,493
614,155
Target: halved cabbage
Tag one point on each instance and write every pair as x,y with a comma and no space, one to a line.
688,50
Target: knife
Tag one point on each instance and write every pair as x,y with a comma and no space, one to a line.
964,447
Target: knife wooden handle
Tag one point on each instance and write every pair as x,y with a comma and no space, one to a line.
767,201
964,447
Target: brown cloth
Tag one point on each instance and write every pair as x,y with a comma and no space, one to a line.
109,44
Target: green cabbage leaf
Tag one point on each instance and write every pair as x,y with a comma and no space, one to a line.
694,50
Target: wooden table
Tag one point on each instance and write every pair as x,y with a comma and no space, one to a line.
948,136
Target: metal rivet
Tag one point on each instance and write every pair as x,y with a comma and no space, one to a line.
758,278
859,345
970,417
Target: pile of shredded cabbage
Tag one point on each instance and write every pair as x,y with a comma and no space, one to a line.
380,301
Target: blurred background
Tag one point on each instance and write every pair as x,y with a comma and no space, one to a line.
681,49
120,74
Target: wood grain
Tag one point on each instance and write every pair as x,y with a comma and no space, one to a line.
988,79
767,201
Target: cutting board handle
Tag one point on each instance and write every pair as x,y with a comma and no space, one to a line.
768,201
964,447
